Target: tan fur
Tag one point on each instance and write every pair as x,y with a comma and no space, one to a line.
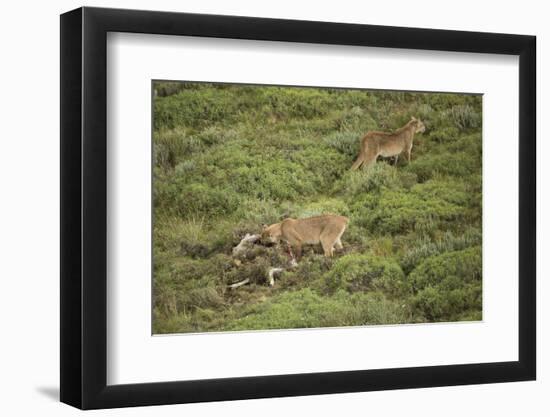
376,144
326,230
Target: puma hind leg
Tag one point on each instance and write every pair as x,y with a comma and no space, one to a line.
330,238
370,159
328,248
338,244
358,162
370,154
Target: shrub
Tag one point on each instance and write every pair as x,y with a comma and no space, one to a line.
326,206
174,234
424,112
279,180
213,135
320,166
197,272
399,211
195,108
425,247
183,285
254,212
305,308
407,179
168,88
308,273
459,164
444,134
208,297
370,180
464,117
470,144
448,305
382,246
450,190
356,272
357,119
172,146
464,264
447,285
195,199
291,102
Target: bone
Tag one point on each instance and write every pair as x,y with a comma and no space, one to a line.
244,246
271,275
245,243
239,284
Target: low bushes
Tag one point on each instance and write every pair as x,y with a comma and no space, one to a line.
305,308
465,117
425,247
448,285
324,206
371,180
356,272
397,212
459,164
280,180
199,199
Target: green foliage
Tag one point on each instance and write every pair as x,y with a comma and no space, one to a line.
456,164
465,117
193,108
371,180
195,199
305,308
357,272
325,206
426,247
184,294
448,285
444,135
229,158
272,180
422,209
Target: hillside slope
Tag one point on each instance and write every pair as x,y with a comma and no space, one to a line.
230,158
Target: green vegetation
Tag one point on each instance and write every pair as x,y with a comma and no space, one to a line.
230,158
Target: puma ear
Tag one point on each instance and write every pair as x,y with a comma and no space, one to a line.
264,226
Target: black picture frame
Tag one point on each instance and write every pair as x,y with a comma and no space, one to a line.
84,207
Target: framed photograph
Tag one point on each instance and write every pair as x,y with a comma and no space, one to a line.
258,208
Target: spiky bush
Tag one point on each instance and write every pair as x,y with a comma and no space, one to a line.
465,117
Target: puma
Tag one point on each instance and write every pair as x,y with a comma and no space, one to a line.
376,144
326,229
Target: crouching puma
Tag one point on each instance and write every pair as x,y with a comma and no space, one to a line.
326,229
386,144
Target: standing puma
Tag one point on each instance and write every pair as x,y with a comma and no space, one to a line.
326,229
376,143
